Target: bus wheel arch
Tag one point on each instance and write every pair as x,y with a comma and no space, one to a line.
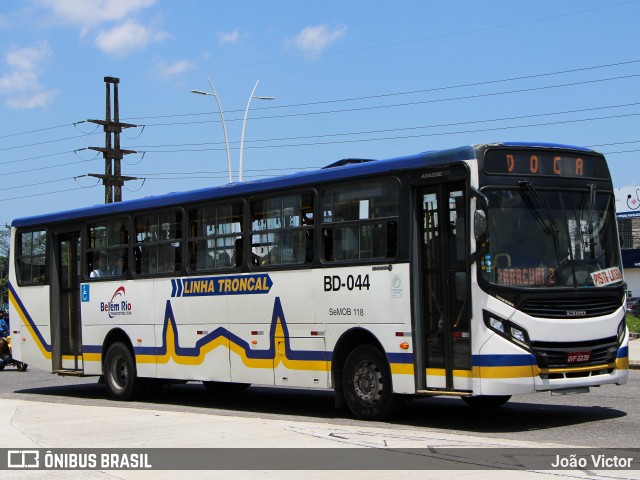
119,367
362,375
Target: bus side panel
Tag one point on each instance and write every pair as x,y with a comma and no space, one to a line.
29,319
265,312
123,305
376,299
191,329
301,361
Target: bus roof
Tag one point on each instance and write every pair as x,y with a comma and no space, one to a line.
336,171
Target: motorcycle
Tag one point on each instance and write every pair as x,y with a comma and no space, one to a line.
5,355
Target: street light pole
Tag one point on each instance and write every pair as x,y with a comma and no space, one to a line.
224,127
244,124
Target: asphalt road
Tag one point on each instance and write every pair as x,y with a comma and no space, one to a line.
609,416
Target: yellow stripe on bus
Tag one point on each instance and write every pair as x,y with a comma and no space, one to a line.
525,371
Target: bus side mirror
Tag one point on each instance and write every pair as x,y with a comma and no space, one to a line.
480,225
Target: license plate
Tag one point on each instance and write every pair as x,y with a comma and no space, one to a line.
578,357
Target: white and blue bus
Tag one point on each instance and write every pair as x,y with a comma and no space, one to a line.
480,272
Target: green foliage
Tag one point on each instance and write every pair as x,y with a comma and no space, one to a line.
633,323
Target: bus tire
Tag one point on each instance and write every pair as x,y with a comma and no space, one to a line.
366,383
486,401
120,376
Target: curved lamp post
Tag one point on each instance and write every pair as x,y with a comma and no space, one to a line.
244,123
224,127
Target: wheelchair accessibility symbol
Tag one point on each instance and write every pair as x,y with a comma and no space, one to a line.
85,292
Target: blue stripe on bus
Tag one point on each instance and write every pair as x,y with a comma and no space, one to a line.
503,360
623,352
406,358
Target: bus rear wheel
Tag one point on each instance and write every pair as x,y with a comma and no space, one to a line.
486,401
120,375
366,383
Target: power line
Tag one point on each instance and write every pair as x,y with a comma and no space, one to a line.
48,167
370,97
407,104
154,148
46,142
37,157
411,92
369,132
404,137
44,129
42,193
15,187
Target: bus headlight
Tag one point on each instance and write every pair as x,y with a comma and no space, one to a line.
622,330
518,335
496,325
506,329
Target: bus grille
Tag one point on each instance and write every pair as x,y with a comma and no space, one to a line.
555,355
571,307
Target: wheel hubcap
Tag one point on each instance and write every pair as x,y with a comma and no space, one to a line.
119,373
367,383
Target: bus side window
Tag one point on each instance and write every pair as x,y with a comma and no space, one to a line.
327,241
238,247
137,258
392,239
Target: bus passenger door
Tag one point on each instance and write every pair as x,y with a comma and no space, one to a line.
65,303
441,322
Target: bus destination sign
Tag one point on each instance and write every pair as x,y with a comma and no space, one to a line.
548,163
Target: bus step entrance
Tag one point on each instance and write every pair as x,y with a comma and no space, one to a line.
444,392
63,373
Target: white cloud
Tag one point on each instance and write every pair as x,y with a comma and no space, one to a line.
316,39
175,68
127,37
89,14
28,58
32,100
111,23
233,37
21,85
19,81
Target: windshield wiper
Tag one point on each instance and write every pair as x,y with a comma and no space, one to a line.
549,226
552,226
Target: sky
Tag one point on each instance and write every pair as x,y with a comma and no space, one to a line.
350,79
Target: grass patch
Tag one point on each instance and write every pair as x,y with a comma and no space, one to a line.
633,323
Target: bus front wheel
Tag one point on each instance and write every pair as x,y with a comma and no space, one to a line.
120,373
366,383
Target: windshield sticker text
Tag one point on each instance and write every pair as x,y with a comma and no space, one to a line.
606,277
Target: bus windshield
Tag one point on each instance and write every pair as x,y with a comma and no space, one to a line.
551,238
